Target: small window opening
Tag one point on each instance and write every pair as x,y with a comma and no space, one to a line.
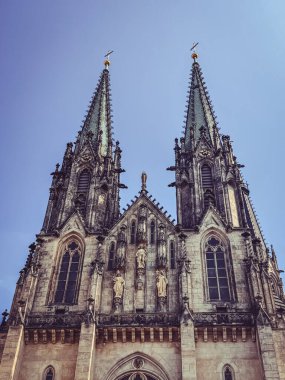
133,232
111,256
172,255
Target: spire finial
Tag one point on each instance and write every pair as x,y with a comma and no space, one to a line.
107,60
194,54
144,178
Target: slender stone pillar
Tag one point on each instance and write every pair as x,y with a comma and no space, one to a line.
188,351
12,354
86,353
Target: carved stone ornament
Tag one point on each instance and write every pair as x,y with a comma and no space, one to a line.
204,153
138,362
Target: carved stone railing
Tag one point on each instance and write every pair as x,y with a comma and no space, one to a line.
52,320
138,319
230,318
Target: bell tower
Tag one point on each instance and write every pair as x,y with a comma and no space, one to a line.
206,171
88,180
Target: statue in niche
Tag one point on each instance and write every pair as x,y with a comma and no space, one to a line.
121,248
161,283
141,257
119,284
162,254
142,230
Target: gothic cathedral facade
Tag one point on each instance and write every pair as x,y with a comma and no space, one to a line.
106,295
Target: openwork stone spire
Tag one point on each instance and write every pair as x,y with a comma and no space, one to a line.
200,116
97,123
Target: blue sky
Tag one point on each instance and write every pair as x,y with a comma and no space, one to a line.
51,59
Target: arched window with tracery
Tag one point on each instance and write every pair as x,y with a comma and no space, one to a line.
49,373
207,185
68,277
152,232
228,373
133,232
217,273
111,260
83,190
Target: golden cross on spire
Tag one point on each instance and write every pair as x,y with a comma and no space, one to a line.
194,54
107,60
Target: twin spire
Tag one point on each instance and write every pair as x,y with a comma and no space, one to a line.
200,118
97,125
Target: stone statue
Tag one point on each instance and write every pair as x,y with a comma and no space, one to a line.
141,257
161,283
119,284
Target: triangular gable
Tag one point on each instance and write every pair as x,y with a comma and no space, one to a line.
212,218
73,223
143,198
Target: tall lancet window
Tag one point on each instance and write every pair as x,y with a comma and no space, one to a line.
111,261
233,206
172,255
152,232
207,185
67,282
218,282
133,232
83,190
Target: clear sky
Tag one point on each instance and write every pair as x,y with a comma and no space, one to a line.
51,59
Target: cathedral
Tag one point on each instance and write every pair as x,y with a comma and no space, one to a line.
133,295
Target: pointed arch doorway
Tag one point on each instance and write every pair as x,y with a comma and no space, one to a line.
138,376
137,366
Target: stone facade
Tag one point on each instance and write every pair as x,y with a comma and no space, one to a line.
111,296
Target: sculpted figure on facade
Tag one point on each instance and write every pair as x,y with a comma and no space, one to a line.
161,283
141,257
119,284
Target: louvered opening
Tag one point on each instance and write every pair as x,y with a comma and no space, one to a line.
207,180
82,190
84,182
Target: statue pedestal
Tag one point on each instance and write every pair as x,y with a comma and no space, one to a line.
117,303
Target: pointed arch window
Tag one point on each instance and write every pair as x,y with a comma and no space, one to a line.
228,373
152,232
133,232
218,282
83,190
172,255
111,256
207,185
67,282
49,374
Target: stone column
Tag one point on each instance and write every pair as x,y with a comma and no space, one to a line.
188,351
12,354
86,353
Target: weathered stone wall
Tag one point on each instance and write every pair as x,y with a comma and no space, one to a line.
241,356
37,357
279,345
165,355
